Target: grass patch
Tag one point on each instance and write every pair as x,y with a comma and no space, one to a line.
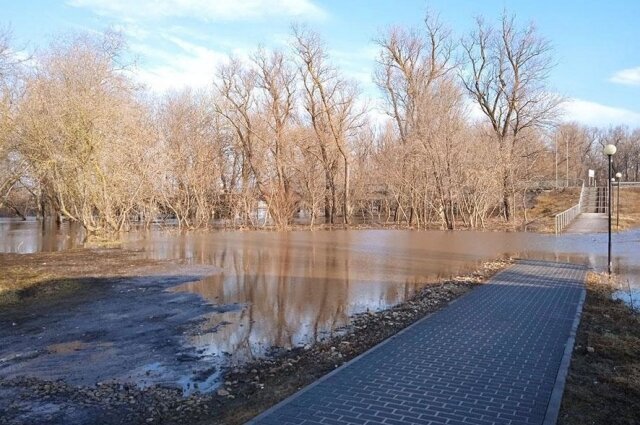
603,385
22,274
541,216
629,208
21,277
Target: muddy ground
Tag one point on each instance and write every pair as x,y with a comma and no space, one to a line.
603,385
77,349
122,329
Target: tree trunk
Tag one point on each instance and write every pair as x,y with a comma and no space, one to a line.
346,205
506,204
328,210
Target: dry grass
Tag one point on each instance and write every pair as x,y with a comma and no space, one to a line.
546,204
603,386
549,203
21,272
629,208
16,278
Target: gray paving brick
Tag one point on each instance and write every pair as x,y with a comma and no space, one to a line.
492,357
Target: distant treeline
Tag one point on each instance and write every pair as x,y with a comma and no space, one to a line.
286,131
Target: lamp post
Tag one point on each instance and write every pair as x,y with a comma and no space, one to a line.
609,150
618,178
567,163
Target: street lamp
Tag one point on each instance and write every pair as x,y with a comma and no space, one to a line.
618,178
609,150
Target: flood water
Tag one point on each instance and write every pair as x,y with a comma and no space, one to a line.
287,289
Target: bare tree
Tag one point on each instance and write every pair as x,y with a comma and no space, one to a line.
236,103
12,166
190,177
84,133
415,75
506,76
309,173
330,102
276,80
286,133
573,144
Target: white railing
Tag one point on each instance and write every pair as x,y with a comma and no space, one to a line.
566,217
627,184
553,184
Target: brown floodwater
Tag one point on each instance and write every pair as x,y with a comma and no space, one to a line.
287,289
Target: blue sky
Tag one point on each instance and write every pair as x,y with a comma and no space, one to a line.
180,42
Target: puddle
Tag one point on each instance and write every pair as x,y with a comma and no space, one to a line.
67,347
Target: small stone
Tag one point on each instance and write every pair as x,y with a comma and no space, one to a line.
591,349
222,392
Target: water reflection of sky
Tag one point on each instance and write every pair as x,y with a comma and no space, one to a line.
287,289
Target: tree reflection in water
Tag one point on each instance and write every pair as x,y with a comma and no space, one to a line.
287,289
284,299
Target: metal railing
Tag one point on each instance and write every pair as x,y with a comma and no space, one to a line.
566,217
554,184
627,184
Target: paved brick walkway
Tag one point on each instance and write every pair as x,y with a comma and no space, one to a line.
491,357
589,223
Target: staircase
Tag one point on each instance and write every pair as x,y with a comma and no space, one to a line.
594,200
589,216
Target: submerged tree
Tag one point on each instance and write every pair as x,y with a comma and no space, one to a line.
285,133
415,73
190,179
84,134
12,166
506,75
330,101
275,103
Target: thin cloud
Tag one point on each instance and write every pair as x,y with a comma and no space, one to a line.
578,110
132,31
194,66
628,77
358,65
592,113
204,10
